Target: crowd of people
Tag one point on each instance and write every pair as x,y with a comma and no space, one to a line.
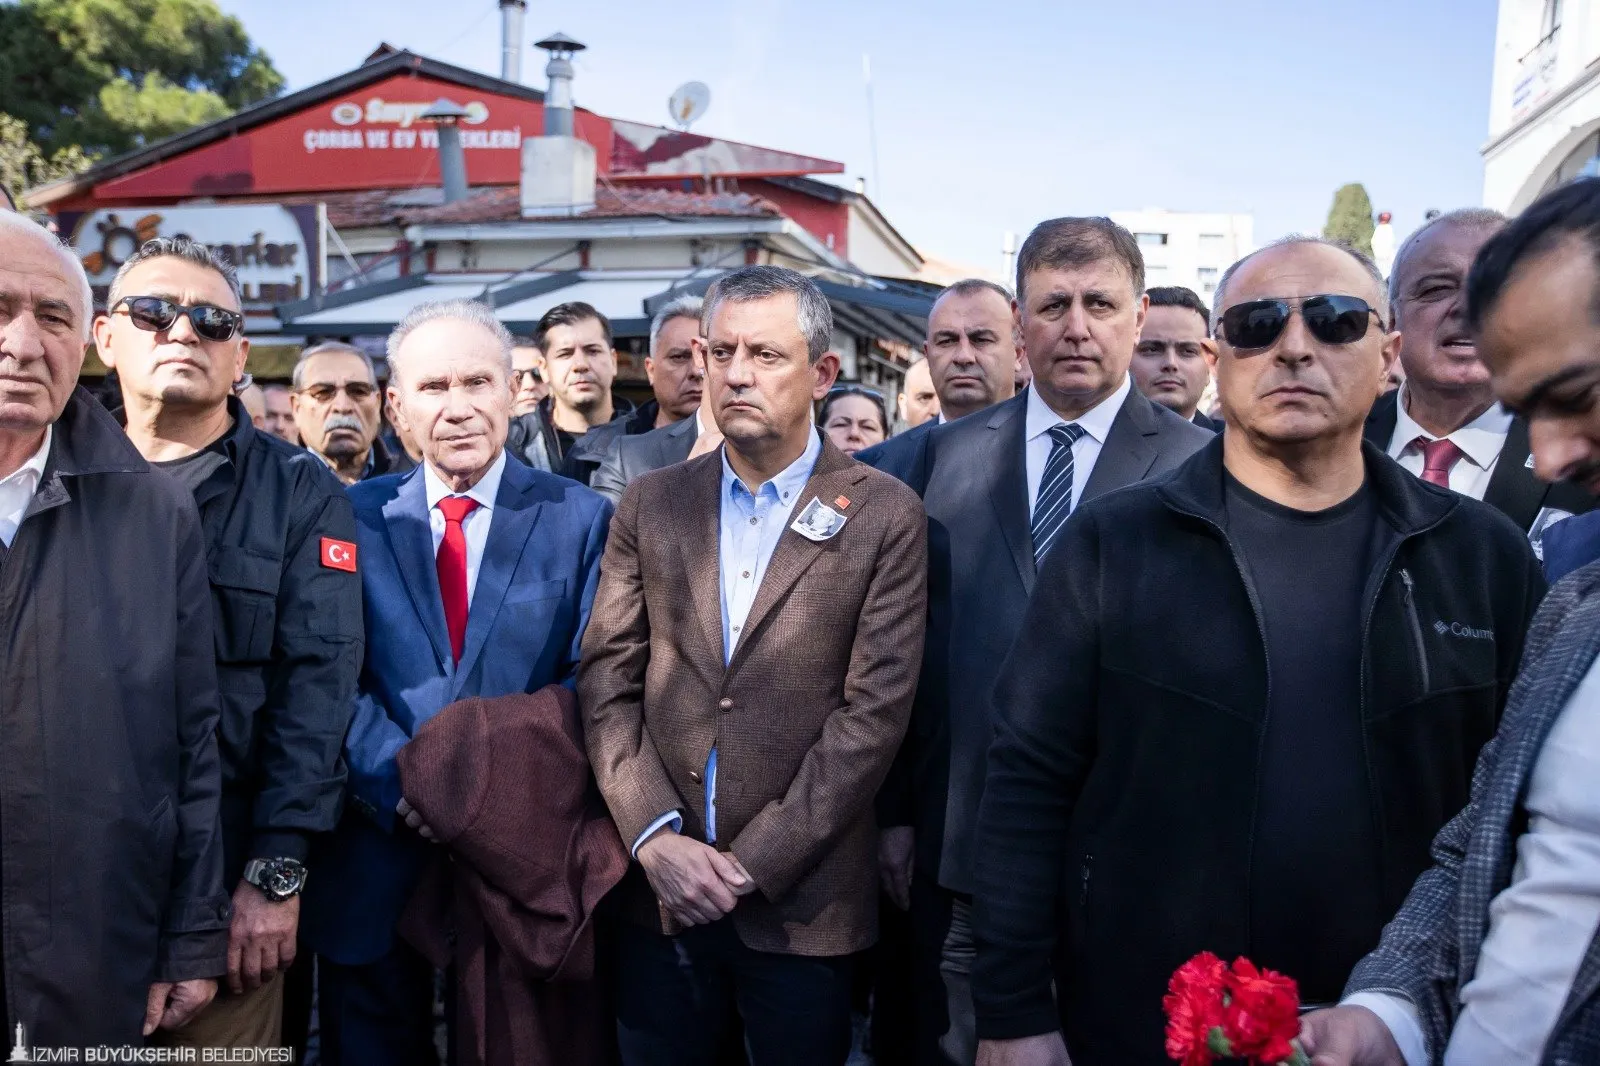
693,733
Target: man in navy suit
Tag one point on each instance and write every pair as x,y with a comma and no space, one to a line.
478,574
998,485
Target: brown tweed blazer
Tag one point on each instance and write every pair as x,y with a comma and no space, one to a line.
807,716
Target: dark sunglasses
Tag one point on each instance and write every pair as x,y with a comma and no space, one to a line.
521,377
854,390
1331,319
324,392
156,315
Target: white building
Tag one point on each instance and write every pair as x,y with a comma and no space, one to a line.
1544,111
1186,248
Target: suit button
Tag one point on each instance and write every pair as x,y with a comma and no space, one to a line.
726,704
694,776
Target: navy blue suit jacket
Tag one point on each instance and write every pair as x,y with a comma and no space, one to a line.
1571,545
536,583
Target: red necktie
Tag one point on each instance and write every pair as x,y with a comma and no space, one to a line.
452,564
1438,456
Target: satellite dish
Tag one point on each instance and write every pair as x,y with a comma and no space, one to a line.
689,102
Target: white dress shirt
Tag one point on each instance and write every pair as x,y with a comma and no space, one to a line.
474,527
1480,441
1096,424
18,487
1541,925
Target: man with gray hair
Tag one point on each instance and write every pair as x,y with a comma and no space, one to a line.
1444,424
115,914
675,378
338,412
1250,787
286,601
746,679
477,573
673,366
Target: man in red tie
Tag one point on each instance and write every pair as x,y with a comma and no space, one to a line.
477,574
1444,424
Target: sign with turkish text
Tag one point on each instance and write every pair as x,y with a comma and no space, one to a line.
274,249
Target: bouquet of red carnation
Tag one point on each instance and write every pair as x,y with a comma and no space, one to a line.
1217,1012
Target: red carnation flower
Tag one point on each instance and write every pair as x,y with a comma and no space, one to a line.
1194,1006
1262,1014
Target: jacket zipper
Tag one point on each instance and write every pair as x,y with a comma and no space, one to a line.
1416,628
1083,893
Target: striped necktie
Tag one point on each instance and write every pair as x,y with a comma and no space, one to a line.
1054,504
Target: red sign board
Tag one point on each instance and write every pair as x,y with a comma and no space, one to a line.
371,138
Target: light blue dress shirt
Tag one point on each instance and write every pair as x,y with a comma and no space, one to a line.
751,525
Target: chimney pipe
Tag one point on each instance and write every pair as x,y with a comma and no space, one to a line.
511,13
446,116
558,120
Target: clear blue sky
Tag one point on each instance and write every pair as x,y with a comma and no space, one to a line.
993,115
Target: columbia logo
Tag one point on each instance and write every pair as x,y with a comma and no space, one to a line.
1456,629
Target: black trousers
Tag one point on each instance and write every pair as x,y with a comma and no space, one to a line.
942,975
377,1014
673,997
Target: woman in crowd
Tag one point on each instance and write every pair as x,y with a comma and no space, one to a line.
854,418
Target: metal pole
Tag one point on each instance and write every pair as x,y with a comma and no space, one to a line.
511,15
452,163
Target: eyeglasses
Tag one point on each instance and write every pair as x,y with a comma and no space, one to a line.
1331,319
156,315
324,392
854,390
519,378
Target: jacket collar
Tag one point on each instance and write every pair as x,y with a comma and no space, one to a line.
87,440
1410,504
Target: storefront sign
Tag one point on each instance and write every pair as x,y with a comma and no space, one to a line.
274,249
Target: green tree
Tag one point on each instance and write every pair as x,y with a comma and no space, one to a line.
23,165
1350,218
113,75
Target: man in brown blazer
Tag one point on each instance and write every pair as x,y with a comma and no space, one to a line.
747,675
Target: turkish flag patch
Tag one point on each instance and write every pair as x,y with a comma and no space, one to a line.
338,555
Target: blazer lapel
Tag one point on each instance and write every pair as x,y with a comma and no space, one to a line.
675,444
699,517
1006,460
1512,487
1381,421
405,519
1129,451
511,523
835,475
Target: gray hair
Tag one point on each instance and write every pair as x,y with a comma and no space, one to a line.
470,312
814,316
1219,298
298,374
177,248
682,307
76,278
1466,218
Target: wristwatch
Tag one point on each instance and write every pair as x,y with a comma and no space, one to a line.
278,879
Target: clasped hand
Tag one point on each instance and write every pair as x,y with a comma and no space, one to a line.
695,882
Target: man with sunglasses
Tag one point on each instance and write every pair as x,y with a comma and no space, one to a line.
286,601
527,380
1268,784
338,412
1444,424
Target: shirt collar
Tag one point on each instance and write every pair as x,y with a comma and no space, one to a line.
485,491
33,469
1096,421
1479,440
789,481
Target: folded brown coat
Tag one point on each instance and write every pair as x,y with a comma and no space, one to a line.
527,851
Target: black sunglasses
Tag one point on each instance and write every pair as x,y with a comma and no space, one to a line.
156,315
1331,319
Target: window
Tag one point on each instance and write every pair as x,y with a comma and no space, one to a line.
1151,240
1213,244
1207,277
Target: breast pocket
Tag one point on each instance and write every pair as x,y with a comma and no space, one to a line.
245,594
533,591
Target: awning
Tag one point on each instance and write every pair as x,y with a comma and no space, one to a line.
879,308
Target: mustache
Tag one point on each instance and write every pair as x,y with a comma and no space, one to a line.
350,422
